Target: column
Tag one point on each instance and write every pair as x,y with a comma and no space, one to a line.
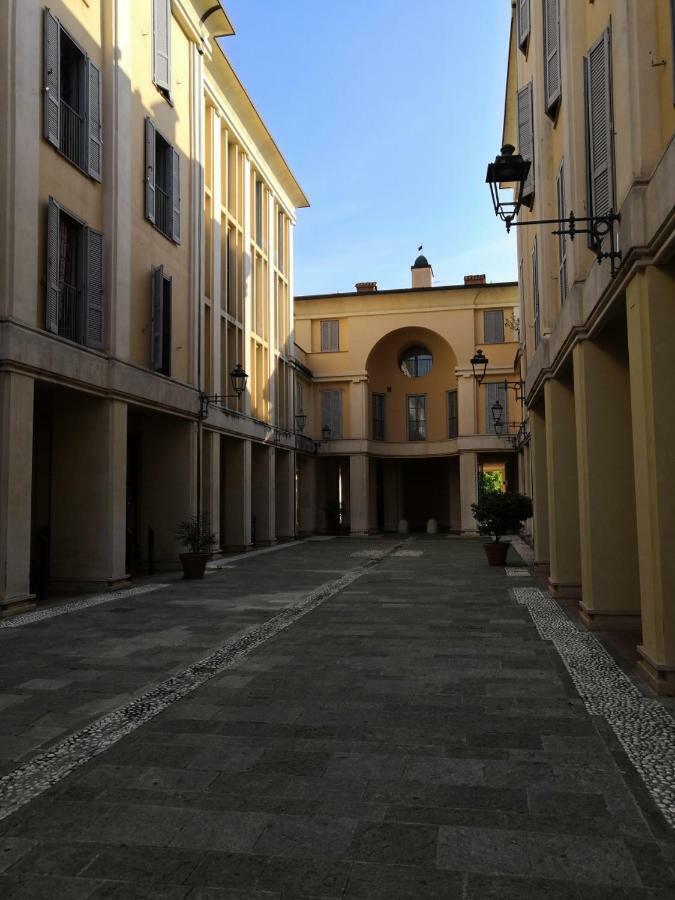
607,530
563,493
359,494
468,490
466,404
392,508
263,494
651,324
542,564
285,490
358,408
211,480
89,477
236,493
307,501
16,470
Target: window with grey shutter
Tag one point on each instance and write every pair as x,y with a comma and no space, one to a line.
161,44
535,293
160,321
378,417
526,135
562,240
52,76
150,170
175,193
599,128
53,257
94,290
523,23
162,183
495,392
453,419
331,413
94,162
493,326
330,336
552,77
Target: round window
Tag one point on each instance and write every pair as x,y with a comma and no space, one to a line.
416,361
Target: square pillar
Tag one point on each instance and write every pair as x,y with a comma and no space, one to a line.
466,404
263,496
392,508
651,325
468,491
89,481
359,494
563,491
211,480
16,471
235,482
307,502
607,531
542,563
285,491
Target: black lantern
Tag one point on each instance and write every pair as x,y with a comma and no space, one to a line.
497,411
479,365
239,379
326,432
300,421
509,167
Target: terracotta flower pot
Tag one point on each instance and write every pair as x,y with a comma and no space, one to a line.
496,553
194,564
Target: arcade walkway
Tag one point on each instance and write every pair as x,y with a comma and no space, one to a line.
340,718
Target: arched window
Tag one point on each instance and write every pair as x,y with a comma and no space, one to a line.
416,361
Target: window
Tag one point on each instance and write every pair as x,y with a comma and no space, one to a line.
526,137
416,362
259,194
599,129
162,183
493,326
161,45
453,420
74,299
417,417
523,23
562,241
331,413
535,293
552,87
493,393
330,336
378,417
160,322
72,107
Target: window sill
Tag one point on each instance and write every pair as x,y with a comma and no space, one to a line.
165,94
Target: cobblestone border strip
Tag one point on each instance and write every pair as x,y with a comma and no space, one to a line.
71,606
27,782
644,728
517,572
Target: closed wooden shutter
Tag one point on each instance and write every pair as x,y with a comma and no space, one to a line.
53,287
150,170
493,326
175,193
161,43
493,393
94,160
453,422
52,78
156,326
330,336
94,290
552,77
599,133
523,22
526,135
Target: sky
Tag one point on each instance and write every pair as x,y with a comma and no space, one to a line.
387,112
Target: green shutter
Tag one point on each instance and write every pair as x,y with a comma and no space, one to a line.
552,53
526,134
52,77
150,170
161,44
53,292
94,289
599,131
175,194
94,161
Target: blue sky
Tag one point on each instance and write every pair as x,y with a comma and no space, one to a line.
388,113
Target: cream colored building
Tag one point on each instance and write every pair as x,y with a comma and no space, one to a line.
147,247
403,428
590,101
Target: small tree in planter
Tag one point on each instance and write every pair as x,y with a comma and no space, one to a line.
498,514
196,536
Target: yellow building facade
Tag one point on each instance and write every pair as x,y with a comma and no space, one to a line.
402,427
147,250
590,102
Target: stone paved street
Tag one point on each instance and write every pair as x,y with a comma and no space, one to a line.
411,736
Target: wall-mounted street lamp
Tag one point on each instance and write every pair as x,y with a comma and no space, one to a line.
510,168
479,364
238,377
326,433
300,421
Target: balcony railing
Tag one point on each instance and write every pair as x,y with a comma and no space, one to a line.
69,318
163,211
417,431
72,132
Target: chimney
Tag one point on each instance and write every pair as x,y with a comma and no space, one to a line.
366,287
422,273
474,279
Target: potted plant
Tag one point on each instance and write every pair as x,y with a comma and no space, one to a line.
196,536
497,514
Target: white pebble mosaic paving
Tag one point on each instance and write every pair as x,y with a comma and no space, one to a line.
27,782
517,572
71,606
644,727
